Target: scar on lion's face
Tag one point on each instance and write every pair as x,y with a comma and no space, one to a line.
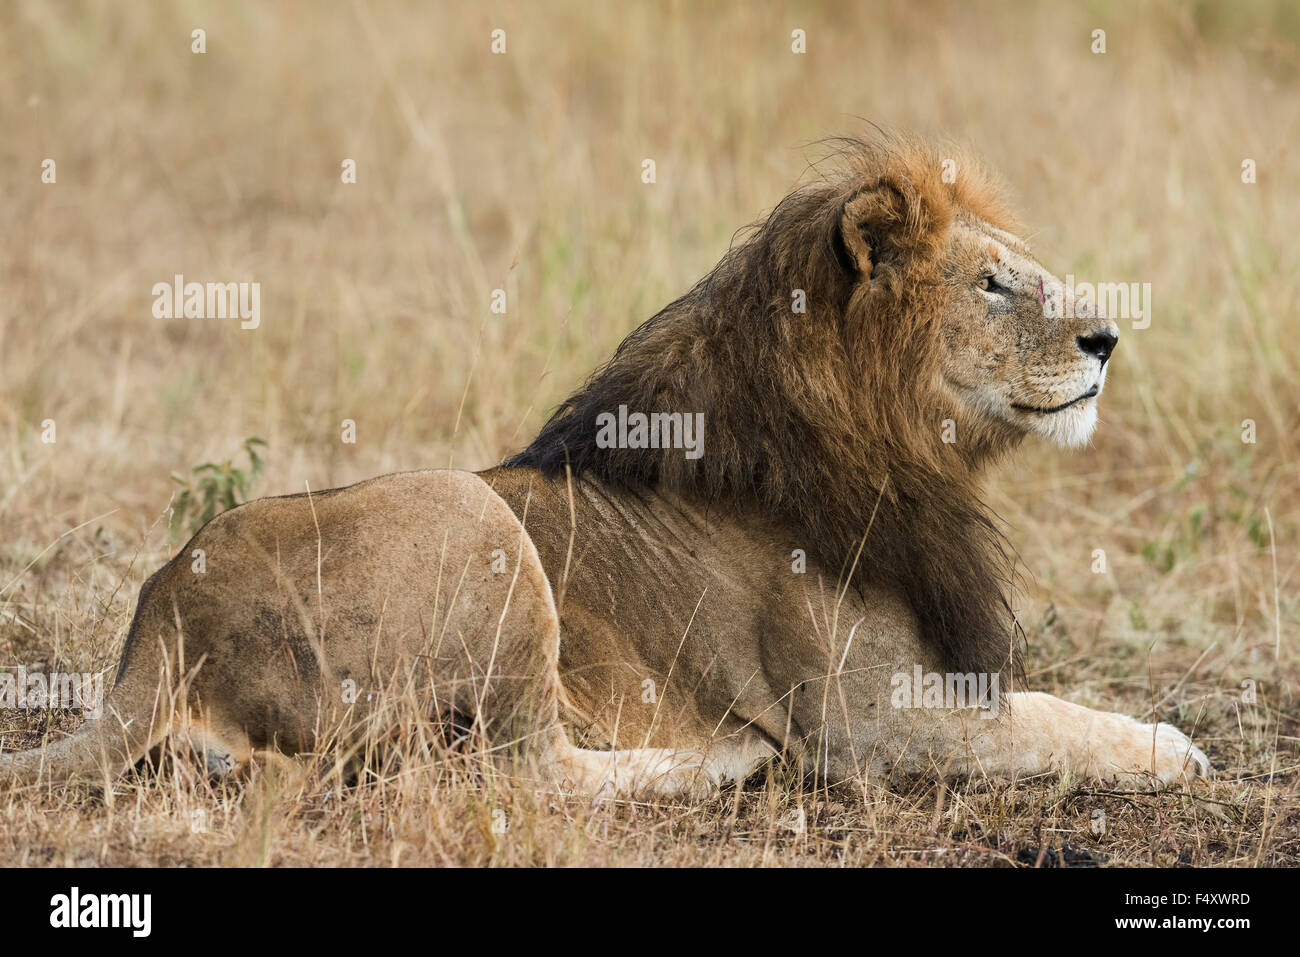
1012,355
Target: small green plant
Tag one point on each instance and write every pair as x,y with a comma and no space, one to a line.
213,487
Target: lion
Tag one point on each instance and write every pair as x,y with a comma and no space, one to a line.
811,578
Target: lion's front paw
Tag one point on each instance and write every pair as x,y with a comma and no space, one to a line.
1176,756
1154,751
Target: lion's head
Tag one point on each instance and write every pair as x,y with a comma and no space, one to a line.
1012,358
1010,350
859,358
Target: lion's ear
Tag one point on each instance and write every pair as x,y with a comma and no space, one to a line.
881,221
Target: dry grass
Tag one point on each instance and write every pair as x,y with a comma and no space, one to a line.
522,171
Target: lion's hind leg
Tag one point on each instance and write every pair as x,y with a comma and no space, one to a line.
220,756
518,688
217,748
639,772
655,772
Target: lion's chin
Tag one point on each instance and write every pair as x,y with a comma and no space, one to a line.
1070,428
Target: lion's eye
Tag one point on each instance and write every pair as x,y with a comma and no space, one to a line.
986,283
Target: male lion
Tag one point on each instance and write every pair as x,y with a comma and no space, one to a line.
858,361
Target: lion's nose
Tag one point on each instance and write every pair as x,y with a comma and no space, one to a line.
1099,344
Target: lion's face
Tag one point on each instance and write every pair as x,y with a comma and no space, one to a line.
1011,355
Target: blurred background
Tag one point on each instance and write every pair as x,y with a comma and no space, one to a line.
522,171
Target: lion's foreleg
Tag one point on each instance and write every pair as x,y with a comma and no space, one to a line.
1034,733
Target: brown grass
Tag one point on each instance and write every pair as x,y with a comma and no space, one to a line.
523,172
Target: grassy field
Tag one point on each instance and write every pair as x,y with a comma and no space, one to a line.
522,172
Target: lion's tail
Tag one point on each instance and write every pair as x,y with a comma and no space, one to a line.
130,725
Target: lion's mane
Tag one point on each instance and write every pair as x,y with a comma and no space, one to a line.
828,420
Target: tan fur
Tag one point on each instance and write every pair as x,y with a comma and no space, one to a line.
650,607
